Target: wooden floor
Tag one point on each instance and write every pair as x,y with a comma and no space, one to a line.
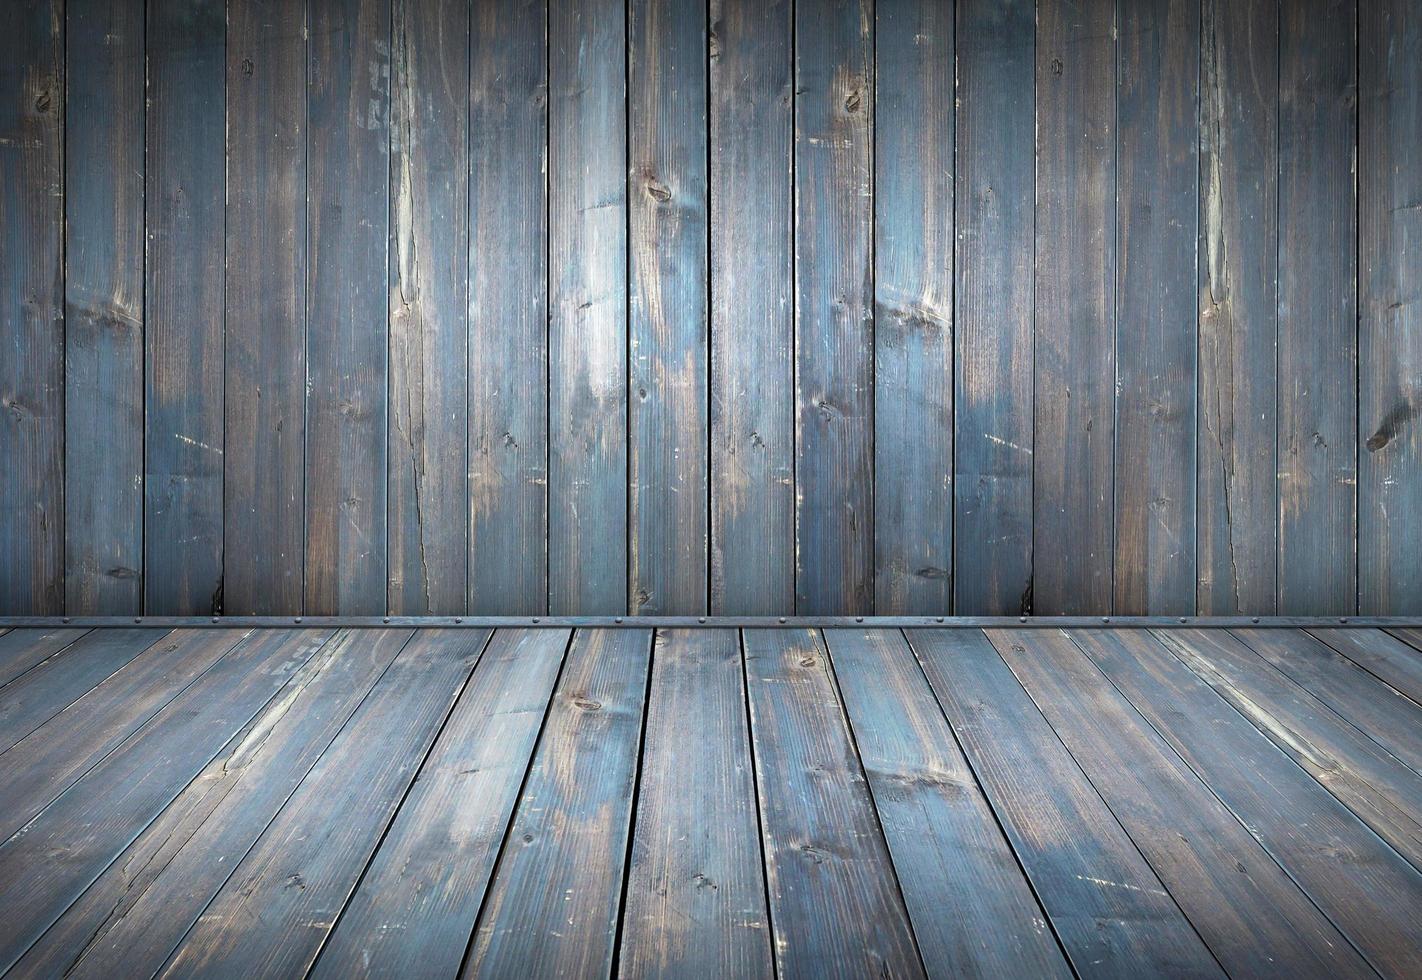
707,803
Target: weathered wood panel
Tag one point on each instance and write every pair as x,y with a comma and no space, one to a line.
263,529
508,308
186,170
587,307
1157,158
429,312
32,307
752,316
1389,307
1383,655
913,306
103,306
667,353
348,173
1238,262
994,211
22,649
834,306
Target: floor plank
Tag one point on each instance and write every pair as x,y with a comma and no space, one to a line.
131,918
21,649
972,910
415,909
274,913
1360,883
552,907
46,762
695,898
1380,653
835,903
1253,917
1112,914
106,809
1370,781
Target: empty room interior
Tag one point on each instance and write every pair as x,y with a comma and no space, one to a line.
710,488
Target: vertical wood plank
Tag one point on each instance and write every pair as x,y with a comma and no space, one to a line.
994,315
913,306
429,255
263,463
834,210
1318,294
752,317
1157,193
183,317
587,335
508,308
348,154
103,306
1074,410
32,308
667,315
1237,489
1390,339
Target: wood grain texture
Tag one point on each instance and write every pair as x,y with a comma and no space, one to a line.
552,909
1157,158
695,900
348,161
103,305
913,305
1361,884
21,649
102,813
994,312
587,307
417,903
1318,308
1238,263
32,307
139,908
1389,306
429,312
1383,655
1106,905
508,288
834,307
667,357
303,869
1250,913
185,275
973,912
752,316
1074,407
264,537
1384,793
835,903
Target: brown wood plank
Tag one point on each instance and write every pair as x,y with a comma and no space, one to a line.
429,310
276,910
553,905
1250,913
137,910
1110,911
1361,884
416,905
972,909
508,308
1381,653
835,903
102,813
104,100
21,649
695,894
47,762
1384,793
752,317
49,688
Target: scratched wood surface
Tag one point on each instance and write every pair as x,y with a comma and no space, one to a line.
640,306
756,803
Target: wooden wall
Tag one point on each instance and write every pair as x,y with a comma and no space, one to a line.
739,306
